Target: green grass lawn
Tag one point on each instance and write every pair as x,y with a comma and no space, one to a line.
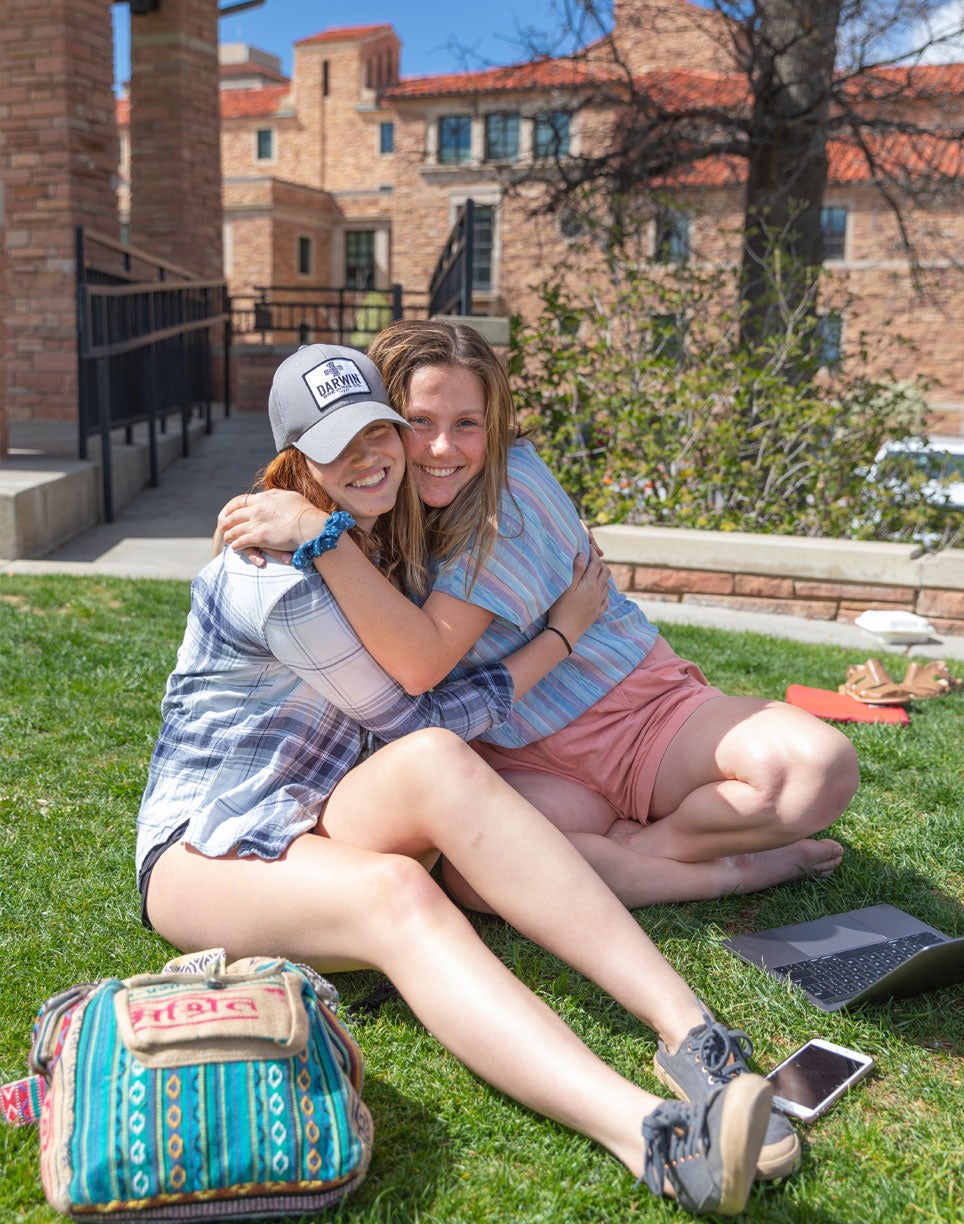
82,668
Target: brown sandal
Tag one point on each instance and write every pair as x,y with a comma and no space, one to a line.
929,680
870,683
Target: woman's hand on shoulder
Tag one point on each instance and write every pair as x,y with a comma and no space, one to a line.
276,521
586,599
592,539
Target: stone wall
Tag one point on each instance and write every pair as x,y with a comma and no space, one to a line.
828,580
252,369
266,217
175,150
663,34
58,158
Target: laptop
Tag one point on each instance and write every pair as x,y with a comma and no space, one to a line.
863,956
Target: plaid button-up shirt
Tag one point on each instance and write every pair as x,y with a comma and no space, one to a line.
268,708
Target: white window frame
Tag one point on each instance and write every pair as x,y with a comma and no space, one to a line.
504,115
677,224
551,110
473,157
848,217
839,319
487,197
266,161
382,228
299,239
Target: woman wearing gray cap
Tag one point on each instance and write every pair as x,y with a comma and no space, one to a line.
263,829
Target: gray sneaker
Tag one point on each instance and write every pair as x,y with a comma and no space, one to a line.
709,1055
707,1150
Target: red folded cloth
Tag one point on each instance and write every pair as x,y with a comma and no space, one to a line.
840,707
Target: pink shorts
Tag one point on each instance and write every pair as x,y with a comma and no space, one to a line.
616,747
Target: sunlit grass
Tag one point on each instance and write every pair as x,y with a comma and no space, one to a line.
82,669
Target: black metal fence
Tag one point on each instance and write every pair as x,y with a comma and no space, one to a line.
326,314
144,341
450,290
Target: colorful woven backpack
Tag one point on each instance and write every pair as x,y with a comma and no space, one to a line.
205,1091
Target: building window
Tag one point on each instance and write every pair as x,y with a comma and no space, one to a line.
828,335
671,241
550,134
325,83
360,259
483,232
454,139
304,255
264,144
501,137
386,138
833,223
669,334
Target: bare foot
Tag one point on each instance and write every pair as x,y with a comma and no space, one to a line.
803,859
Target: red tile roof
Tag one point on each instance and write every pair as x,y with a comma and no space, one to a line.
343,35
899,157
680,89
676,87
900,154
253,103
542,74
927,79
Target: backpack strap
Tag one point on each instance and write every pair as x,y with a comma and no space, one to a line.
21,1100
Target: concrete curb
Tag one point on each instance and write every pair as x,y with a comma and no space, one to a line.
776,556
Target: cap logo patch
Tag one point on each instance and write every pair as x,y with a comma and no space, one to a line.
333,380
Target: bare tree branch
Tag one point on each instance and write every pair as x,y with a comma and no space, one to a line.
801,91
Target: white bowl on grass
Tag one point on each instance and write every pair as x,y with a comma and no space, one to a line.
896,628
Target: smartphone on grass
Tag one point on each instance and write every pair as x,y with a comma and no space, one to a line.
807,1083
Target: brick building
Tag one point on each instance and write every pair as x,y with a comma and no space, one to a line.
59,171
350,174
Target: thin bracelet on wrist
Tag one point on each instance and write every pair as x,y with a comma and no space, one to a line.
340,522
559,633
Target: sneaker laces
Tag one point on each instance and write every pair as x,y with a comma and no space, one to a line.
673,1132
720,1050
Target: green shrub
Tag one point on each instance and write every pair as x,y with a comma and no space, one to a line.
641,398
374,313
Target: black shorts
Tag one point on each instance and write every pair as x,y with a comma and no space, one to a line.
144,879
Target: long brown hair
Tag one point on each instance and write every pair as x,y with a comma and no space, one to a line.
383,544
471,522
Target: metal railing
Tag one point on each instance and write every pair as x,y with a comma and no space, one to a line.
326,314
450,290
144,347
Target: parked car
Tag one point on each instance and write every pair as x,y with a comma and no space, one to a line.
940,459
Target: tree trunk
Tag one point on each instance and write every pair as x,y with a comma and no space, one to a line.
792,73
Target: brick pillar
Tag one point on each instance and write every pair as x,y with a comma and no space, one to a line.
58,162
4,420
175,135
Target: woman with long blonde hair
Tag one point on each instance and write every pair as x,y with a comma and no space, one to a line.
265,829
670,789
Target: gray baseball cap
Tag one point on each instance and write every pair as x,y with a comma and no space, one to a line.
322,396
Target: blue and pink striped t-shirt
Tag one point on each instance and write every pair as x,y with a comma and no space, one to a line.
529,568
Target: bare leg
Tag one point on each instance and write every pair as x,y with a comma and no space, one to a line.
431,791
609,844
745,775
337,907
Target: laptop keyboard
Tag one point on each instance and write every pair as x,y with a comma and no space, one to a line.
845,974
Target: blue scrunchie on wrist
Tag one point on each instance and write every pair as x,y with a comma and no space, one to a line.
339,522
